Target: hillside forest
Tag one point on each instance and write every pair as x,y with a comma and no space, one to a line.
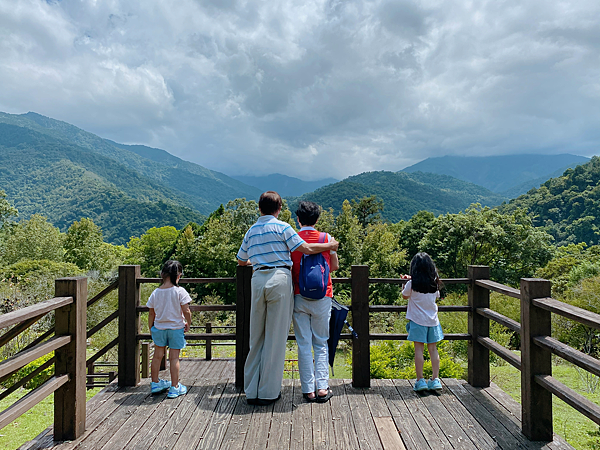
511,240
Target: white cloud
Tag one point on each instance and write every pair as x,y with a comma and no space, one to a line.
311,89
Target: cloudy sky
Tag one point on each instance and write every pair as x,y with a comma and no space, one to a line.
311,88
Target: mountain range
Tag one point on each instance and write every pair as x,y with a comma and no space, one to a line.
404,194
508,175
284,185
65,173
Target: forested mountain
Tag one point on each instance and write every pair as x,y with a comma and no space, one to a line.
500,173
45,175
203,189
284,185
567,206
404,194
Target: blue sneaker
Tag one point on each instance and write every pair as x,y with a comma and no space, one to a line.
420,385
175,392
160,386
434,385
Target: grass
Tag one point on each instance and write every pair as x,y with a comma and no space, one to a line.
30,424
574,427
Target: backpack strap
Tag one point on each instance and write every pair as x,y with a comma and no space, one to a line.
322,237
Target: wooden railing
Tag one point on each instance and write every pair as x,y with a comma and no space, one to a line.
537,348
537,345
69,346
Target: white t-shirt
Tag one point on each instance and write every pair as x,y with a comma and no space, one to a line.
167,306
422,308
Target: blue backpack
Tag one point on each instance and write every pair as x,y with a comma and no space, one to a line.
314,274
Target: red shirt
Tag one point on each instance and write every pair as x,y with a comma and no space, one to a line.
311,237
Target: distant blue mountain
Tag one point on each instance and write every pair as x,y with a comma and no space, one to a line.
284,185
510,175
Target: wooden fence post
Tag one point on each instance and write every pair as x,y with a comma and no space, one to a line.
361,349
145,359
242,321
208,342
536,402
69,399
129,326
479,356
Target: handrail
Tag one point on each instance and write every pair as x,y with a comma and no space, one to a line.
501,351
92,359
194,336
23,381
195,308
111,287
403,308
498,287
18,329
189,280
21,359
488,313
569,311
102,324
14,317
570,397
403,337
30,400
567,352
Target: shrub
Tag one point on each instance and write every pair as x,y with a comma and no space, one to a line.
392,359
36,381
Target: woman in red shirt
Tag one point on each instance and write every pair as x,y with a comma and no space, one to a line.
311,317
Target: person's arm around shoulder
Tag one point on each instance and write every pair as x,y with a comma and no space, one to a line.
334,262
312,249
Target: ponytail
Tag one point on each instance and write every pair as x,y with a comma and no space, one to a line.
171,269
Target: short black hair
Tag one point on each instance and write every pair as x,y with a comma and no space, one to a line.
308,213
269,203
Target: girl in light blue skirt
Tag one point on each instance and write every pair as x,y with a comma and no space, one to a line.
423,326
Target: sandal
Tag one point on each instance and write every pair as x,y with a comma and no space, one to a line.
309,399
326,397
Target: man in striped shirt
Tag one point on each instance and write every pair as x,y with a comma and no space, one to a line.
267,246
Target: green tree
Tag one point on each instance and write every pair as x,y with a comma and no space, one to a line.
367,210
211,252
83,244
381,252
349,234
414,230
508,243
33,239
149,249
6,209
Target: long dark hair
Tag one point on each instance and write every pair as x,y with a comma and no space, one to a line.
423,274
170,270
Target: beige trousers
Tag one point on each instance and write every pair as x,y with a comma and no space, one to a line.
270,317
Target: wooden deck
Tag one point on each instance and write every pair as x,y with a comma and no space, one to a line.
215,415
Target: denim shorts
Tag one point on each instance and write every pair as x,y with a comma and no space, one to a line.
174,339
426,335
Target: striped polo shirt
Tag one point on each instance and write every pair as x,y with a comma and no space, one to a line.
269,242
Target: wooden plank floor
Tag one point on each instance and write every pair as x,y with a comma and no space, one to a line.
215,415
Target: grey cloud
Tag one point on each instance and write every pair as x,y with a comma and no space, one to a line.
249,87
